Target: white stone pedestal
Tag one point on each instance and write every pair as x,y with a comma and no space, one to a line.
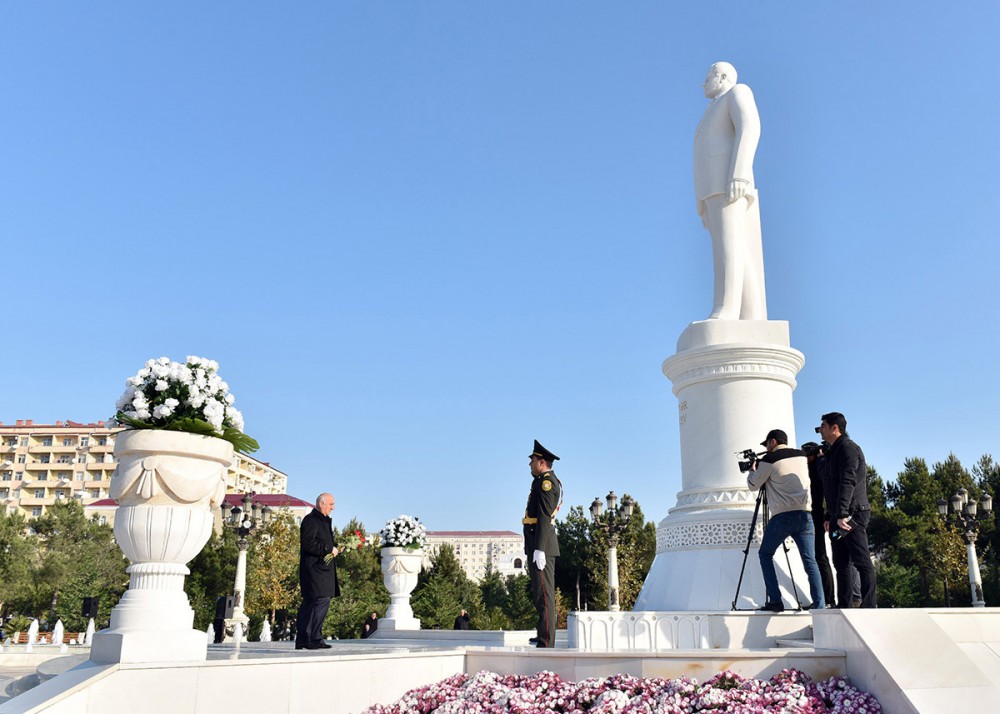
400,568
168,485
733,380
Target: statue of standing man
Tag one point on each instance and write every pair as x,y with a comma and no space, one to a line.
724,147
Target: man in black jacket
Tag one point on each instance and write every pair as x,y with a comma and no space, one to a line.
847,510
317,574
540,542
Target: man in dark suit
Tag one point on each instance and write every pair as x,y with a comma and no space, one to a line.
462,621
847,510
317,574
540,542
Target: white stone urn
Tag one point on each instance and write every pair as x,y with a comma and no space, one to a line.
400,568
168,485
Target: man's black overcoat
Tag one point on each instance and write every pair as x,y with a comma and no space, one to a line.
318,579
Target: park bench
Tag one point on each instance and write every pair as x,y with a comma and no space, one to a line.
45,638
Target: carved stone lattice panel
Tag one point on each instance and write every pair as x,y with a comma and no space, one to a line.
698,535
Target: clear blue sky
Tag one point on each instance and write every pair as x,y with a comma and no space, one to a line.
417,235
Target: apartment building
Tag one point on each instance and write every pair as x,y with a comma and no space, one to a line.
504,550
44,463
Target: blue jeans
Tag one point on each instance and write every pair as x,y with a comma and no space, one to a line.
798,525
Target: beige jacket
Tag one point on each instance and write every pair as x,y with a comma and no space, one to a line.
785,474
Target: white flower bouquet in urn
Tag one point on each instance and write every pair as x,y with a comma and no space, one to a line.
404,532
189,397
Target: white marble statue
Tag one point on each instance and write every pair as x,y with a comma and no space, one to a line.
724,148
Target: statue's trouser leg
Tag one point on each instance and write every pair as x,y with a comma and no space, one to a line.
727,224
754,305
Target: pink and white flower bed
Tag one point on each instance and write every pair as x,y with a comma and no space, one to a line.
788,692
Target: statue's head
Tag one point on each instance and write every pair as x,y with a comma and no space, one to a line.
720,79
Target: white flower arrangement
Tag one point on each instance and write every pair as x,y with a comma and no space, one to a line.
187,397
404,532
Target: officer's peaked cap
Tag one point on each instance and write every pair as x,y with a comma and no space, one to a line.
543,453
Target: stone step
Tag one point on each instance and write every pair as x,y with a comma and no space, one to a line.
795,643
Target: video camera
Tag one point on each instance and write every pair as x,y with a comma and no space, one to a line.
811,448
750,459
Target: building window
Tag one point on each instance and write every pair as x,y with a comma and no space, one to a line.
12,441
47,441
43,476
60,494
67,441
64,474
8,475
21,459
4,492
20,475
84,440
81,459
104,520
103,441
39,493
24,441
64,460
36,511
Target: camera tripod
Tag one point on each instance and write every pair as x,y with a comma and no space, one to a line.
762,499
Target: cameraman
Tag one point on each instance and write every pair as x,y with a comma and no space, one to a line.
848,510
784,474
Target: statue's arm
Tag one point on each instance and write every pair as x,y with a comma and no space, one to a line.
746,124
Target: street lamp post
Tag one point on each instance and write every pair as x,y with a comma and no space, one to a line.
615,523
243,521
968,516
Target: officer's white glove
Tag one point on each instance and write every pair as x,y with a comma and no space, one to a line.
539,557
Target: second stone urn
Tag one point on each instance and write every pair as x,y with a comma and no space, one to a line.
400,568
168,485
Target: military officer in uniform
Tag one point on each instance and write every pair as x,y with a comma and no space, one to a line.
540,542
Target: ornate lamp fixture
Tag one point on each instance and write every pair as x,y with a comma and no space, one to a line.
614,523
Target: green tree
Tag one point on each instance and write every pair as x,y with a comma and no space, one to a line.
272,567
576,549
919,555
443,590
493,595
585,570
213,573
518,605
19,557
79,559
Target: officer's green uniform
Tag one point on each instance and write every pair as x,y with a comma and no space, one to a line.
540,534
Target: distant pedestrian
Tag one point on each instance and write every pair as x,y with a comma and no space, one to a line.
462,621
370,625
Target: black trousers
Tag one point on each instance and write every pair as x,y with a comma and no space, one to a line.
309,623
543,592
825,571
852,549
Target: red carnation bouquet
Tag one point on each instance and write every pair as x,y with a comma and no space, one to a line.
351,540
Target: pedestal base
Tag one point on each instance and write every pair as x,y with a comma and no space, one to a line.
398,623
733,380
706,578
112,646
